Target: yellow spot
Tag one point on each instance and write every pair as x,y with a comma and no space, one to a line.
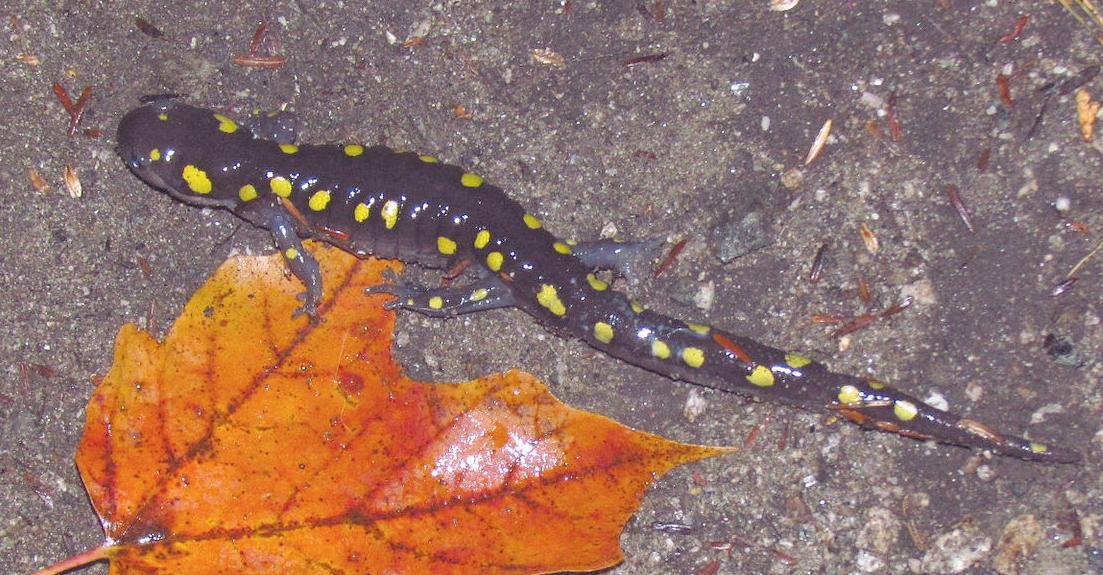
531,221
796,360
1038,447
603,332
436,302
637,308
693,356
390,214
162,116
281,186
849,395
659,349
697,327
361,212
479,294
596,283
197,179
353,150
224,124
428,159
562,248
319,200
289,148
470,180
482,239
247,193
761,376
494,261
875,383
155,154
549,298
904,410
291,253
446,246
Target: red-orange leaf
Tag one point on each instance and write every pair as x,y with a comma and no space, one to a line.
249,442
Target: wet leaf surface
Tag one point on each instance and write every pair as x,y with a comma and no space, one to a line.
251,442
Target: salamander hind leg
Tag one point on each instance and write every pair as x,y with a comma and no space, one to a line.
630,260
280,127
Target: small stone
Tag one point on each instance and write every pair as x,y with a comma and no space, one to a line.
922,291
695,405
706,293
868,562
956,551
1020,538
881,532
938,401
792,179
735,239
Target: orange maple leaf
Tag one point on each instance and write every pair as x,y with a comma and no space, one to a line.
248,442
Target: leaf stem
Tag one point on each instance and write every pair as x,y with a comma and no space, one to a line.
78,560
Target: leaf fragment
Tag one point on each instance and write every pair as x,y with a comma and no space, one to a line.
1086,111
548,57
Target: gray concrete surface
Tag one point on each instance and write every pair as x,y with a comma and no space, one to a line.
672,148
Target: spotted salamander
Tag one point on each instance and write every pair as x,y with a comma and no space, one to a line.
374,200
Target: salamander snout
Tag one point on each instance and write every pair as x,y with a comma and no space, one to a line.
161,142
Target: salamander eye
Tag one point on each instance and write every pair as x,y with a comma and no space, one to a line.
138,161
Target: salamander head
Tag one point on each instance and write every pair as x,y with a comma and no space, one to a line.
166,144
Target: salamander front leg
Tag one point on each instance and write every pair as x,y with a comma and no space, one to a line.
302,264
487,293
